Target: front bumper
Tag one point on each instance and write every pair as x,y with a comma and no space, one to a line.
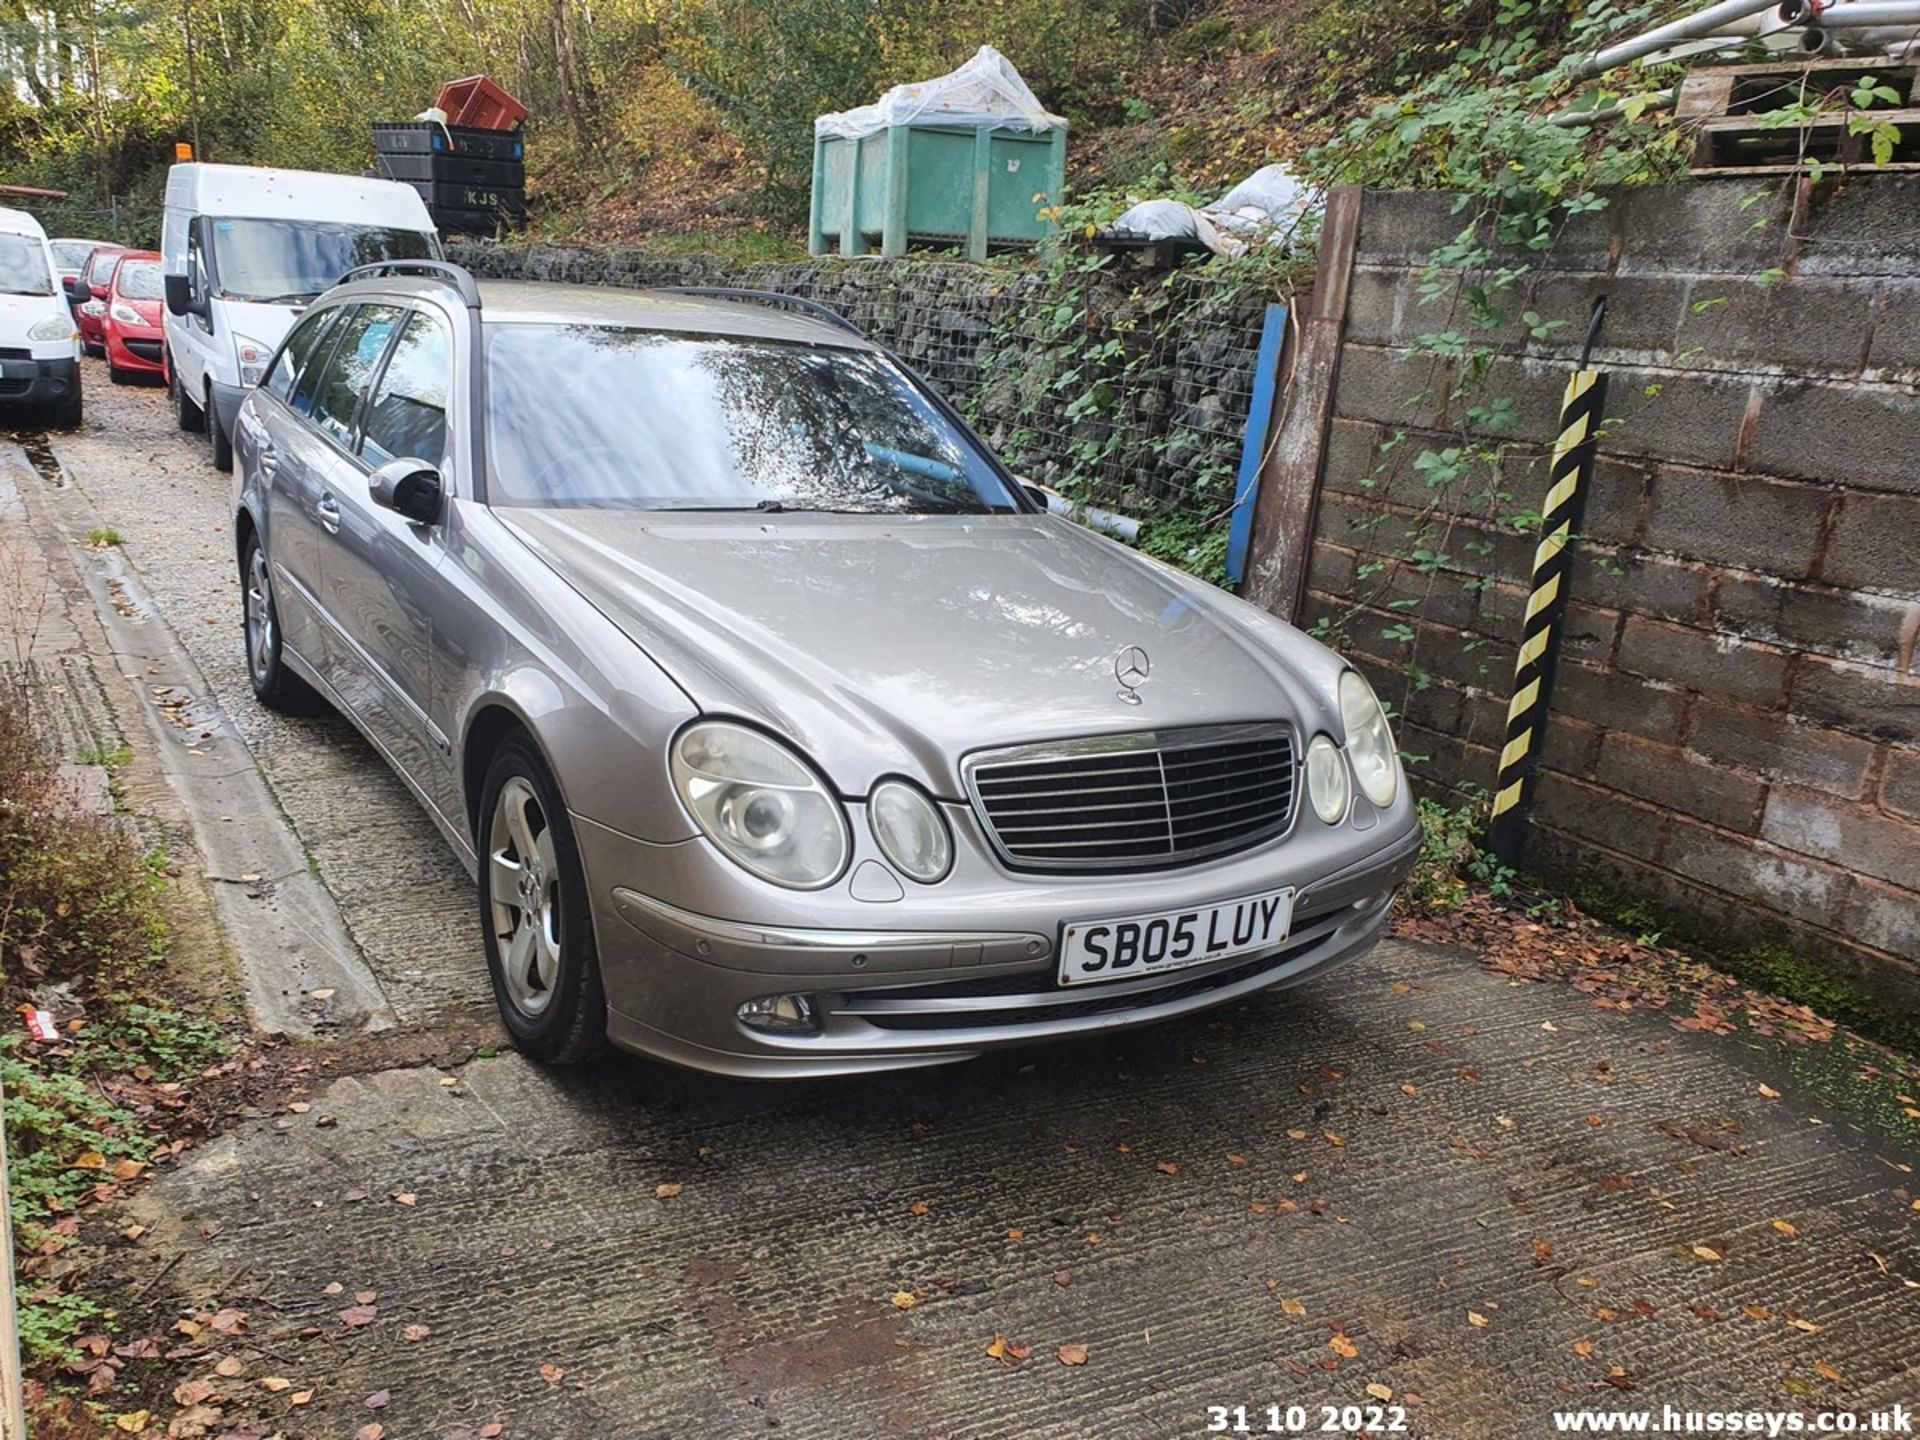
137,351
48,382
930,983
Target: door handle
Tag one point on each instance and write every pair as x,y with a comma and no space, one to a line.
269,457
328,513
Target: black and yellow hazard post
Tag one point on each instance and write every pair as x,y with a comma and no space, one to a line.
1569,479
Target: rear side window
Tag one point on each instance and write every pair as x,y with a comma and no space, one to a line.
350,369
408,416
298,350
100,268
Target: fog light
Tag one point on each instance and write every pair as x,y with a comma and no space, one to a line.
780,1015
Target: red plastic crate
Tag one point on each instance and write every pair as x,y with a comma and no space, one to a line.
478,103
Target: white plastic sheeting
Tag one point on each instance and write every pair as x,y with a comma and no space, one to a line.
1268,204
983,93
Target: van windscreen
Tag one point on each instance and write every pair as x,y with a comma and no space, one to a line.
293,260
23,266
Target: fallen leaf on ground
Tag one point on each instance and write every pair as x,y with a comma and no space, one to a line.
1296,1134
133,1422
405,1197
1233,1159
1343,1347
1769,1092
230,1366
365,1297
666,1192
919,1207
1583,1348
1806,1326
552,1373
1786,1228
1062,1279
1167,1167
1477,1320
416,1332
372,1430
1295,1308
354,1316
1334,1139
1379,1391
1072,1354
300,1397
274,1384
379,1400
1708,1253
903,1300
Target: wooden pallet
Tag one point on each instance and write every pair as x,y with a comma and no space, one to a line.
1726,107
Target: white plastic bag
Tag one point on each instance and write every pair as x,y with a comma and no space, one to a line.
985,92
1270,203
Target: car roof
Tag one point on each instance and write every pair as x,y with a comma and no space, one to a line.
532,302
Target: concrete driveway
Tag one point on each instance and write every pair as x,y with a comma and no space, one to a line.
1418,1184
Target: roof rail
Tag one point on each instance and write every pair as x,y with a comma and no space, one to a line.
768,297
457,276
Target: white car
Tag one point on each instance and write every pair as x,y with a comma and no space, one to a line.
39,344
244,250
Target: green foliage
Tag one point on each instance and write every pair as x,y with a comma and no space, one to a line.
1452,860
169,1044
77,900
62,1134
770,67
49,1319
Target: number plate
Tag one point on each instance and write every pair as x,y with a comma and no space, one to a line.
1132,945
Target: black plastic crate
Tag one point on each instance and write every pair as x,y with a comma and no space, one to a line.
423,137
482,224
512,203
456,170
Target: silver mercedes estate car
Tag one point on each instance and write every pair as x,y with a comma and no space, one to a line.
784,730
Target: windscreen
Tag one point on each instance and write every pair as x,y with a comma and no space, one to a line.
70,255
139,279
292,260
23,266
590,417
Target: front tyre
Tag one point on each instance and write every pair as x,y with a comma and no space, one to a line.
275,686
533,913
219,443
190,417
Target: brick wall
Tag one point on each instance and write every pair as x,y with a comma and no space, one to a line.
1736,730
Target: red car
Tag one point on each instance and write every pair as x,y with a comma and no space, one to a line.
135,299
92,314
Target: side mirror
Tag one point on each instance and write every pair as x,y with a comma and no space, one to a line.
180,299
77,288
408,487
1037,494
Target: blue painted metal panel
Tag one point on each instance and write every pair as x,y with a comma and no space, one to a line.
1266,379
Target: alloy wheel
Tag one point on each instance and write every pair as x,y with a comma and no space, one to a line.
262,630
523,886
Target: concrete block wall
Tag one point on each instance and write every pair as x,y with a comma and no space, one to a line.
1736,730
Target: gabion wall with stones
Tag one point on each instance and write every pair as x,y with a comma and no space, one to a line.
1130,400
1736,728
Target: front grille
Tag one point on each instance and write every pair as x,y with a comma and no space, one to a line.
15,387
14,352
1134,802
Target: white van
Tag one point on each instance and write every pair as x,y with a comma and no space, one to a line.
243,250
39,346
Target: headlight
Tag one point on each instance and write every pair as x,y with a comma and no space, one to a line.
761,804
125,314
1327,780
253,357
1369,741
911,831
57,327
93,307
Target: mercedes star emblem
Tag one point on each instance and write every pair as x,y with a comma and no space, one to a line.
1131,668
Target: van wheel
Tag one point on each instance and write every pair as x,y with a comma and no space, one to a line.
67,417
191,417
534,915
217,439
